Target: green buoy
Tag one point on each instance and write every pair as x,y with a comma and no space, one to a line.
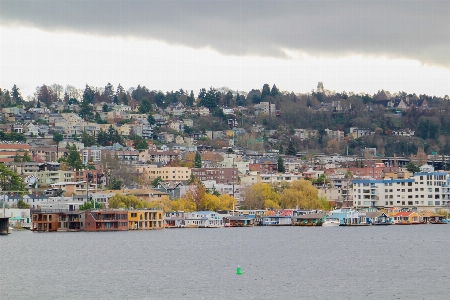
238,271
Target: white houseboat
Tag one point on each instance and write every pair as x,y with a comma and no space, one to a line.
202,219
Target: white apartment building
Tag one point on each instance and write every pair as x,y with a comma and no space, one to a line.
424,191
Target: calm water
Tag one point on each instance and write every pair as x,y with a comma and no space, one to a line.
393,262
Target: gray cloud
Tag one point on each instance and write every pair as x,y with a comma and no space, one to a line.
407,29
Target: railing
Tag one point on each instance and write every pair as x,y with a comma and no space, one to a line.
93,217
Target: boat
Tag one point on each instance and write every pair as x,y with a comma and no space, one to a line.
331,222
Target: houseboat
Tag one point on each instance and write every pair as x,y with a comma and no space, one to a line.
315,219
432,218
349,217
174,219
238,221
202,219
277,218
106,220
406,218
378,218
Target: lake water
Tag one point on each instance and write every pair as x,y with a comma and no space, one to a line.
392,262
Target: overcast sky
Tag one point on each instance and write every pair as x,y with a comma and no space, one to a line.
359,46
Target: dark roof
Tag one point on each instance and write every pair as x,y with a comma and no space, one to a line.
310,216
237,218
374,214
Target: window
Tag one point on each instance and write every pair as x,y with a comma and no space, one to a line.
430,202
437,202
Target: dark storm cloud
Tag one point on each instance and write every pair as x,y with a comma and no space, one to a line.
409,29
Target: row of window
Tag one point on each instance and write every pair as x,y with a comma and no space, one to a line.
411,203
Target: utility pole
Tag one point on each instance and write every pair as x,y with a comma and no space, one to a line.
233,176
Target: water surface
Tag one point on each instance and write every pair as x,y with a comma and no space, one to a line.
392,262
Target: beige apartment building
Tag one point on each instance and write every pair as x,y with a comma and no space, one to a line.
151,172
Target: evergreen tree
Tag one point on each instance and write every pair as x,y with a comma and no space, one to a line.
412,167
274,91
145,106
265,91
57,137
160,99
281,150
140,143
108,93
228,99
291,149
281,167
197,160
256,99
211,99
17,157
151,120
87,139
190,100
88,94
26,157
201,94
102,138
16,96
239,100
85,109
74,158
124,99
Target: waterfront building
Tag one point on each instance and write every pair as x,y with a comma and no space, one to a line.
405,217
43,220
426,190
278,218
313,219
106,220
71,221
202,219
348,216
145,219
174,219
